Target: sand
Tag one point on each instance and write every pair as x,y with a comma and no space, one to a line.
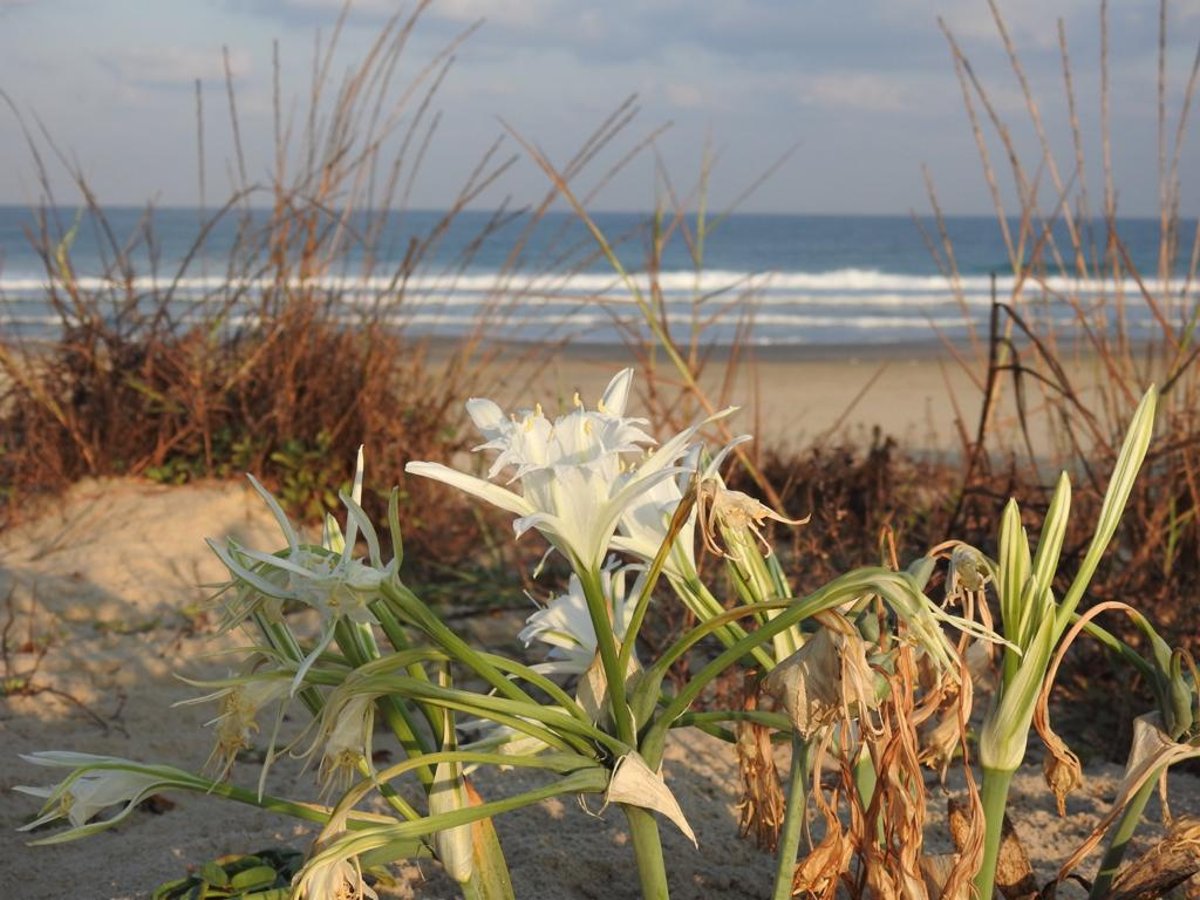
112,580
786,395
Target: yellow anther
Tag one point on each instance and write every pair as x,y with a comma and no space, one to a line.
577,400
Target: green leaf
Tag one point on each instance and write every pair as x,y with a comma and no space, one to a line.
214,874
257,878
169,889
1054,529
1129,461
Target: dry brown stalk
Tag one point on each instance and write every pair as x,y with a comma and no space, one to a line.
1168,864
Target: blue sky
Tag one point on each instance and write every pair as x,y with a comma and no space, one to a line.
864,89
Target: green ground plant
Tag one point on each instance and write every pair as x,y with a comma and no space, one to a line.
861,672
847,673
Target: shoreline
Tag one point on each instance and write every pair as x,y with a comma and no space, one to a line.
926,395
788,397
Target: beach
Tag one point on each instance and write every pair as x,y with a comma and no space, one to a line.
926,396
113,581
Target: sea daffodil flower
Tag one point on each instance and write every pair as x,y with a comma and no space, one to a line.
646,522
346,733
566,625
239,702
340,879
97,783
336,584
574,474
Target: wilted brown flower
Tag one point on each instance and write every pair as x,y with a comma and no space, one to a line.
826,678
761,808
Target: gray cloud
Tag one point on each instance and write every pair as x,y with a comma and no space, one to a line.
159,66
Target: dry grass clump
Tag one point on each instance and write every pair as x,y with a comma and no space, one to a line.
295,355
1082,330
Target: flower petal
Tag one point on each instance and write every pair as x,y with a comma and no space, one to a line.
616,395
280,516
484,490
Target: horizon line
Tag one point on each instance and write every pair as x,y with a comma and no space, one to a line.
815,214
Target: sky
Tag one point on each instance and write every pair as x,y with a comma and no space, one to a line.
858,95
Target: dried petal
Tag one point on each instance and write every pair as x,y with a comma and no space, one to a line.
818,874
829,676
761,808
634,783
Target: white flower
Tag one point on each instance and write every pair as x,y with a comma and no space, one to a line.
566,625
347,738
334,583
240,701
98,783
575,481
646,521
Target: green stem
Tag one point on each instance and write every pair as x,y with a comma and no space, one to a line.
731,633
712,626
411,605
865,779
1119,647
395,710
775,721
647,850
678,519
394,632
852,584
995,798
1119,839
356,818
606,643
280,639
793,821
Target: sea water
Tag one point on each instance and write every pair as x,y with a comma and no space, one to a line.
788,280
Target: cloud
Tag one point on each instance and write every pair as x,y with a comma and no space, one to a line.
864,91
161,66
512,13
1032,23
684,96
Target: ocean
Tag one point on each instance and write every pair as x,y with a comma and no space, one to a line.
781,280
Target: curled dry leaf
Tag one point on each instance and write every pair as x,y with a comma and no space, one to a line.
1171,862
1014,874
1151,754
1060,766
